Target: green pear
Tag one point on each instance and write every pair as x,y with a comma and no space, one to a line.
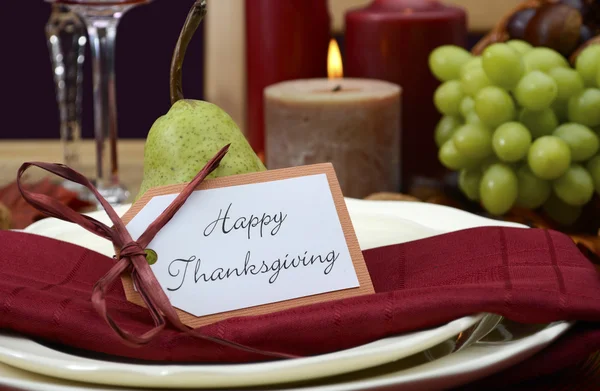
181,142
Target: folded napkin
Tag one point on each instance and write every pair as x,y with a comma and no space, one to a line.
527,275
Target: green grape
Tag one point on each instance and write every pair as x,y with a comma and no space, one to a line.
511,141
561,212
581,140
467,105
569,82
575,187
549,157
468,182
536,91
543,59
498,189
474,62
473,119
561,110
584,108
533,191
473,141
540,123
587,64
473,79
447,98
494,106
446,61
502,65
452,159
446,128
593,166
519,46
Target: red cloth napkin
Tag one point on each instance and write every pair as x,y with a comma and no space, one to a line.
527,275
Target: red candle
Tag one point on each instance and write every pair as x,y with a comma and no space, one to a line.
285,40
391,40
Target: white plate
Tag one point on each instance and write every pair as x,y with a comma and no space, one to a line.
26,354
29,355
453,370
376,223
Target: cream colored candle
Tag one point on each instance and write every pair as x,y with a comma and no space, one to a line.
352,123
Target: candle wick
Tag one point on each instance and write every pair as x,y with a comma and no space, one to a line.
337,88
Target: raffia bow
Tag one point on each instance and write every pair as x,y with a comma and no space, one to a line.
131,257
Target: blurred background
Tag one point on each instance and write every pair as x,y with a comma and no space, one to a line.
146,38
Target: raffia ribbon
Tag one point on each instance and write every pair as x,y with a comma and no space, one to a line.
131,256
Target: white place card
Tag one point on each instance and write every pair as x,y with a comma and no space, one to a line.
253,243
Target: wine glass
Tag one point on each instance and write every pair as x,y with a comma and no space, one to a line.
101,18
66,37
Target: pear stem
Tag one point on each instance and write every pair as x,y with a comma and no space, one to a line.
194,18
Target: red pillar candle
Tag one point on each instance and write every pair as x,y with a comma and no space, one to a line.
391,40
285,40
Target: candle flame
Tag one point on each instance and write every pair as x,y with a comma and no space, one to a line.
335,69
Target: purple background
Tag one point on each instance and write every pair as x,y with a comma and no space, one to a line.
145,42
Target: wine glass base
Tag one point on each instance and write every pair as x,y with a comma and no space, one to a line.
82,192
115,195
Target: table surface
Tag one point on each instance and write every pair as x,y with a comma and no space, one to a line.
13,153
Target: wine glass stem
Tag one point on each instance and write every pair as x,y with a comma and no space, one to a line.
102,32
66,41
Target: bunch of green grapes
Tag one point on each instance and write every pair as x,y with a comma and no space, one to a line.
521,126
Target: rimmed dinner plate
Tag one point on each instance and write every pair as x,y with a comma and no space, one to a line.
27,354
412,373
376,224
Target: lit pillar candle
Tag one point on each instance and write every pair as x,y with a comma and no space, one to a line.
352,123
